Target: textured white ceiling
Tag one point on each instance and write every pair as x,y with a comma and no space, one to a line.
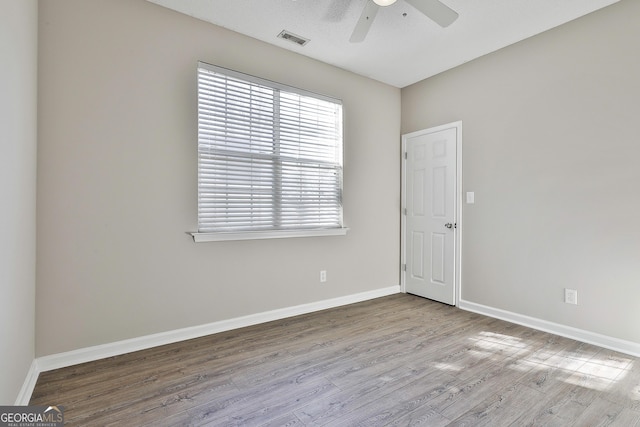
403,46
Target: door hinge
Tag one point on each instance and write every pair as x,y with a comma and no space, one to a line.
405,211
404,267
406,155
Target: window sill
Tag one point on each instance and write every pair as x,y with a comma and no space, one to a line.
255,235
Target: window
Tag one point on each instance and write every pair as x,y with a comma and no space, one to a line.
269,159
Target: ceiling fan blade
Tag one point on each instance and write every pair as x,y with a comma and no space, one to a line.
364,23
435,10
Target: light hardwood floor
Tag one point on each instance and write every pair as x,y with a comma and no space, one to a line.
399,360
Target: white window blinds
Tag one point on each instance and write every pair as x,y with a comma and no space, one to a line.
269,156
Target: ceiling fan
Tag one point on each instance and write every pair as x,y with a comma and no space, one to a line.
435,10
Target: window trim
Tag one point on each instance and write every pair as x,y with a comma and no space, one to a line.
213,236
276,234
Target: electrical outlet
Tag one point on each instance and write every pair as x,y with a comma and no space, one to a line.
471,197
571,296
323,276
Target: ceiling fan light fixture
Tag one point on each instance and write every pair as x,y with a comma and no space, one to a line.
384,2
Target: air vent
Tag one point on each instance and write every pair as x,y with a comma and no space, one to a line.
286,35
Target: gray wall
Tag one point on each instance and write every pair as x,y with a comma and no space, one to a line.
18,83
551,149
117,180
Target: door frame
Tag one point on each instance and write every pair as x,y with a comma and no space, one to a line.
458,197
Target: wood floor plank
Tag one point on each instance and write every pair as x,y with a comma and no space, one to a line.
626,390
627,418
390,406
272,405
423,416
157,403
471,390
399,360
359,393
600,413
502,408
288,420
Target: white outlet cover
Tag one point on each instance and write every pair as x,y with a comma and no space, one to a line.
471,197
571,296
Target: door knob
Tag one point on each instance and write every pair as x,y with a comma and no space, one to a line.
448,225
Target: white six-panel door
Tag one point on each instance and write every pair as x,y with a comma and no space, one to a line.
430,216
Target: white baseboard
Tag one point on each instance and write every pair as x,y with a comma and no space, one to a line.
70,358
623,346
29,384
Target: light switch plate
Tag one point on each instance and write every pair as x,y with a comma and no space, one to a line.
471,197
